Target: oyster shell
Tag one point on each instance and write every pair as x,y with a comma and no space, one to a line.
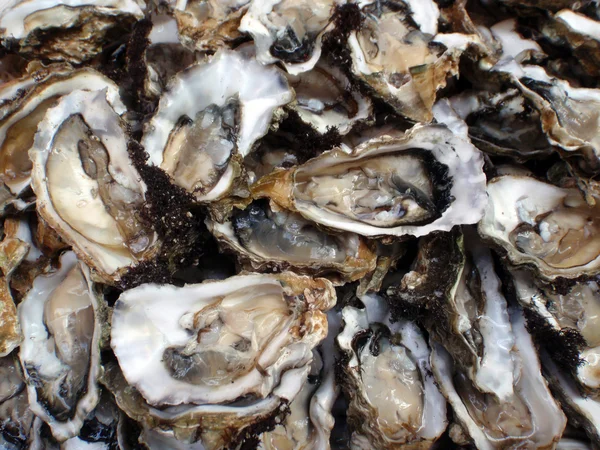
569,115
393,400
86,186
232,352
23,104
528,417
16,418
310,422
395,53
503,123
60,352
567,318
325,99
12,251
583,411
542,225
199,140
267,237
66,30
208,24
430,179
290,31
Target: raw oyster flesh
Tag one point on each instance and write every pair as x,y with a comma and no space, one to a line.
299,225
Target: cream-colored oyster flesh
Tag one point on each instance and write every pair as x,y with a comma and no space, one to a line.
23,105
248,337
198,139
539,224
60,354
393,401
86,185
429,179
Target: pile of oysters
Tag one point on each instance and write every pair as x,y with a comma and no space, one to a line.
299,224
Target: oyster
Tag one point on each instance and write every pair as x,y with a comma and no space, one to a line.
393,400
164,56
66,30
583,411
542,225
395,53
267,237
565,321
86,186
528,417
23,104
208,24
578,33
309,424
16,418
430,179
200,140
469,315
569,114
232,352
290,31
503,123
60,352
325,99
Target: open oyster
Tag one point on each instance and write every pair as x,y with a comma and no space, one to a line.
394,52
565,320
66,30
569,115
583,411
309,424
472,318
542,225
528,416
60,353
16,418
86,186
578,33
503,123
325,99
393,400
206,25
265,236
23,104
427,180
210,118
233,352
290,31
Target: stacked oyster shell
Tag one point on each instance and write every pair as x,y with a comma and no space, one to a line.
306,225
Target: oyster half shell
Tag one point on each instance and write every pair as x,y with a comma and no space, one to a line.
429,179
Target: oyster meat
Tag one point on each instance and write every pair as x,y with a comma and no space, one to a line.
542,225
429,179
86,185
229,351
393,400
266,236
200,140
